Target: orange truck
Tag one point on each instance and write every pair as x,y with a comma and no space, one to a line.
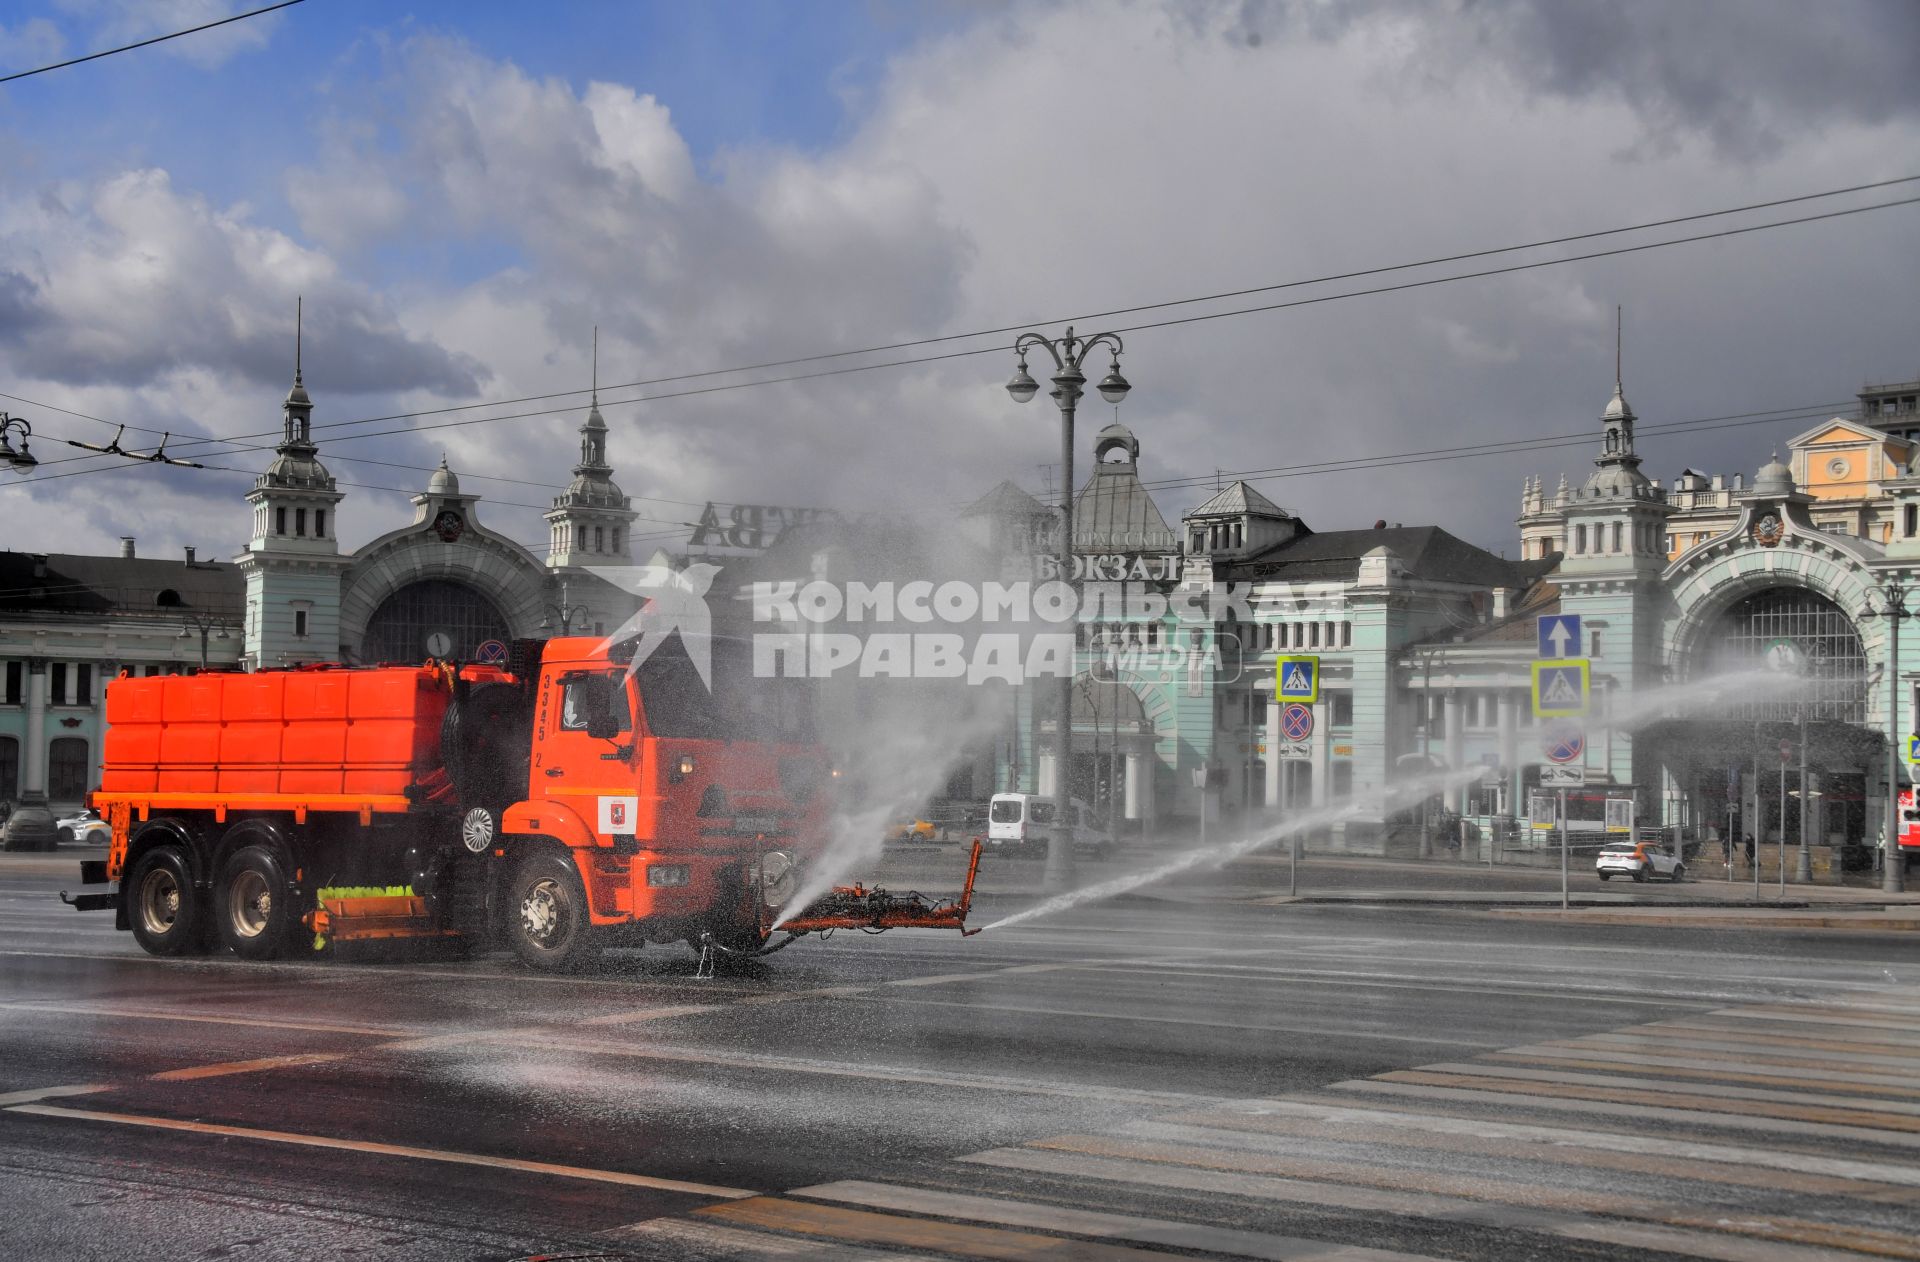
559,801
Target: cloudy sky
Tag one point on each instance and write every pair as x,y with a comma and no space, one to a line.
461,192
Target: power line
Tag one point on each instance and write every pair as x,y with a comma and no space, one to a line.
993,331
158,39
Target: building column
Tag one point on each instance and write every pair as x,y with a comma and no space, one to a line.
33,759
1133,785
1043,773
1510,748
1322,742
1451,744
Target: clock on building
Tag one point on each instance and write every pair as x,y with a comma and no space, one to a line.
439,644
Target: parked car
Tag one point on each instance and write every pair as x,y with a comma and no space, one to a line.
1639,860
84,827
1025,821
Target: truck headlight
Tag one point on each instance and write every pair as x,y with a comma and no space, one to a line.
661,875
777,878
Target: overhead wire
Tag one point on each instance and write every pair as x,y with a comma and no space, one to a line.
192,439
157,39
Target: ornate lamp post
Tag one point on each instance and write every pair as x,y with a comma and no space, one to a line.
1069,383
204,624
565,612
1893,598
21,461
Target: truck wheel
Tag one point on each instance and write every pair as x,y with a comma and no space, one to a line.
253,906
163,907
546,913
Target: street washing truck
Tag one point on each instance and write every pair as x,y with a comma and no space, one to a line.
561,800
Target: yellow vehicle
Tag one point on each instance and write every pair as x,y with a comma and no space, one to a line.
912,828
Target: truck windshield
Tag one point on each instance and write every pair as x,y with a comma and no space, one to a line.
675,701
1006,811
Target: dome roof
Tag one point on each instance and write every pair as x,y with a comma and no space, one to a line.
298,397
297,468
1774,478
1617,479
1617,407
594,419
601,492
443,482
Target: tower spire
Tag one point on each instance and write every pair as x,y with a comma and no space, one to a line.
299,306
595,402
1616,348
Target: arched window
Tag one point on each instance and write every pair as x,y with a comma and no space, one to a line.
1579,539
1798,629
67,769
400,628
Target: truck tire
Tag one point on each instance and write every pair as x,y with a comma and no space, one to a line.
164,909
546,913
253,906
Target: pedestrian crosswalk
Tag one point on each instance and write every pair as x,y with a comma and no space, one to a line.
1766,1133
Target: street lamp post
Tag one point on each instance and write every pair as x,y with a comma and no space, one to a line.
566,612
20,460
1893,599
1069,383
204,624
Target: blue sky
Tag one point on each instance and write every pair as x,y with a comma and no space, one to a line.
461,192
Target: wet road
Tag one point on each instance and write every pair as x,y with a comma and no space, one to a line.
1125,1081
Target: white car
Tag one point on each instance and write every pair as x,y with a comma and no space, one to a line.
1639,860
86,828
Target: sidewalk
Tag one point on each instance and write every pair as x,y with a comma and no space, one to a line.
1896,918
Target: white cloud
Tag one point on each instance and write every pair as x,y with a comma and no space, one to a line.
1048,160
29,44
117,22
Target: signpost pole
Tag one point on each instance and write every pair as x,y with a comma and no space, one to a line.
1761,840
1563,850
1783,823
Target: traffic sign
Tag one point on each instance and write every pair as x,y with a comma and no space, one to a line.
491,653
1786,752
1913,749
1296,721
1559,634
1562,777
1296,679
1563,742
1560,688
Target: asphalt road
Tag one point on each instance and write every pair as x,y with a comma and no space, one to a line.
1131,1079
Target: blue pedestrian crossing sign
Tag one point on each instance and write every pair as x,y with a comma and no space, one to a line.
1559,634
1913,749
1296,679
1560,688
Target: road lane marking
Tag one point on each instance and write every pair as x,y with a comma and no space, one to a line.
717,1242
33,1095
161,1014
1808,1016
1370,981
1666,1088
1500,1217
1760,1054
197,1072
1081,1222
1501,1189
373,1148
1674,1071
1136,1017
1852,1035
1708,1118
774,1213
1281,1136
1253,1115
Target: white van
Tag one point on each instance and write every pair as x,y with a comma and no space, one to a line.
1024,821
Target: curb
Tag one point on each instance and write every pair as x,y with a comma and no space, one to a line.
1863,923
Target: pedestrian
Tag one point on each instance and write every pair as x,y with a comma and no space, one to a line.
1747,844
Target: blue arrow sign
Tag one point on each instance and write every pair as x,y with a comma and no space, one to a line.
1559,634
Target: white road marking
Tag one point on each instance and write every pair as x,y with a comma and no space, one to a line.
33,1095
1502,1217
1699,1117
1875,1104
1106,1226
1337,1113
